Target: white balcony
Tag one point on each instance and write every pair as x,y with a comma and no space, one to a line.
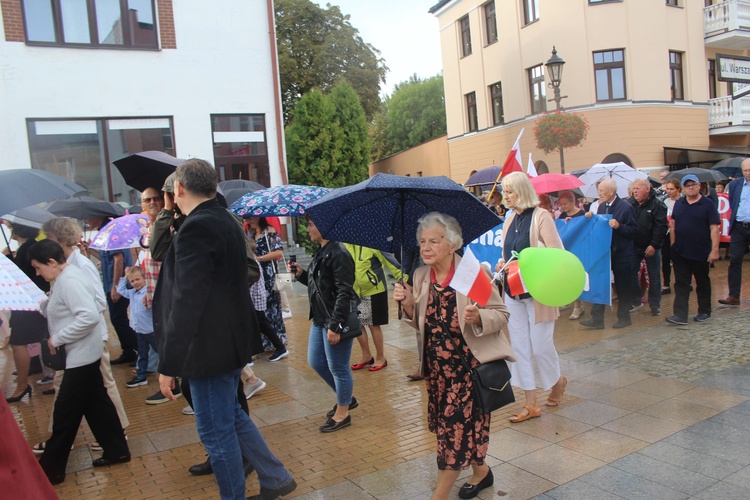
727,25
729,117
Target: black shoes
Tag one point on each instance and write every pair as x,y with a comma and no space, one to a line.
125,357
472,490
676,320
655,312
273,494
352,406
591,323
205,468
622,323
21,396
333,426
104,462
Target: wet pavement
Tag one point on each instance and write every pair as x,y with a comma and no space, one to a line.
651,411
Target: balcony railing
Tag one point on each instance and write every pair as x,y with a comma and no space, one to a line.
725,112
726,16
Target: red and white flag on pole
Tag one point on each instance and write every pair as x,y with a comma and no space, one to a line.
513,162
471,280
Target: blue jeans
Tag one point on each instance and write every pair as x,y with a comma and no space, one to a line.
331,362
228,433
146,341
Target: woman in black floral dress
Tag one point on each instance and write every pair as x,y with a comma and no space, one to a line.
432,307
268,249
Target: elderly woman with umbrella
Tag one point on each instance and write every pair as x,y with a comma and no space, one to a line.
453,328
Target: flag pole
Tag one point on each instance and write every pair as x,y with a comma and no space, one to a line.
515,148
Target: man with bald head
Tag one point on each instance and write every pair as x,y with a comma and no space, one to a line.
651,218
739,230
621,253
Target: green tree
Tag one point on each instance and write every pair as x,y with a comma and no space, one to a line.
354,150
414,114
319,46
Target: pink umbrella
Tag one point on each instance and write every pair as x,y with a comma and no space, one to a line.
551,183
120,233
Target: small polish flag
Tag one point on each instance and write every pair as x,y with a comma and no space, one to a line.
471,280
513,162
516,286
531,169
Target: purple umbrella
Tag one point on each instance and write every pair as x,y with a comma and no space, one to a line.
484,177
283,201
120,233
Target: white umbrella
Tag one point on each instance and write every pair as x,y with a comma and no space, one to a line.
17,291
620,172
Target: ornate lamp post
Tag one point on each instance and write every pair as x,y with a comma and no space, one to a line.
554,70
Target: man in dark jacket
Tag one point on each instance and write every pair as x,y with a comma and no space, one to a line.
203,320
621,253
651,218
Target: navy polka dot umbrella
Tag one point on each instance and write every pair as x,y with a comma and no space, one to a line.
383,211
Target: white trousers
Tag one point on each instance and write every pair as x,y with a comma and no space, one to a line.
531,342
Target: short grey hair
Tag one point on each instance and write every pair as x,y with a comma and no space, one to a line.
452,228
642,181
197,177
65,231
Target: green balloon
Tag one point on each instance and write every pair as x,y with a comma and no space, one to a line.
553,276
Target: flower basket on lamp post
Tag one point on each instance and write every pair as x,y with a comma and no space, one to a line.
558,131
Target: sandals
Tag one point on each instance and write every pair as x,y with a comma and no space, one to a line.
526,413
577,313
556,395
39,448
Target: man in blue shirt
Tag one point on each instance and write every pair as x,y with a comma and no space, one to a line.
694,233
739,230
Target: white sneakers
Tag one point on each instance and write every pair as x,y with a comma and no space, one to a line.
255,387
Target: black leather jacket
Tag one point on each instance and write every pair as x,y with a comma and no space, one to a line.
332,269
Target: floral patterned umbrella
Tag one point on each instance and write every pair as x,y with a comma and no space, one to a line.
282,201
17,291
120,233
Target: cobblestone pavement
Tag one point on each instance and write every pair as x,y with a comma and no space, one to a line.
651,411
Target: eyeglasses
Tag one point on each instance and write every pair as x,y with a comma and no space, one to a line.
694,184
155,199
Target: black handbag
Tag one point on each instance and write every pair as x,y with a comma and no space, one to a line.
352,328
55,361
491,380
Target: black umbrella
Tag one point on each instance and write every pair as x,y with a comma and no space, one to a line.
84,207
235,194
148,169
241,184
731,167
32,216
24,187
703,174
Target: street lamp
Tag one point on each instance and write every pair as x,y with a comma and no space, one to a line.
554,69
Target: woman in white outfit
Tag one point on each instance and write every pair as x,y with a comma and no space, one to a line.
531,324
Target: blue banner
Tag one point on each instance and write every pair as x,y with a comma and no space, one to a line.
589,240
488,247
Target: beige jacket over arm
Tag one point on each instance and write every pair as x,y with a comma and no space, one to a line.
487,342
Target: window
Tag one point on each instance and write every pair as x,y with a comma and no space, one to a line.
82,150
537,90
530,11
471,111
496,96
465,36
711,79
603,1
609,73
91,23
675,76
240,150
673,3
490,22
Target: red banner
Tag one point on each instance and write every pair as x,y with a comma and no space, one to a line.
725,214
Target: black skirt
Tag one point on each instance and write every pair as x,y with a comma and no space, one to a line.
27,327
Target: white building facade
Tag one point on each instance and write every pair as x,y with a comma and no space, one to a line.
86,82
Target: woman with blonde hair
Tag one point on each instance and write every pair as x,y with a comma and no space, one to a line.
531,325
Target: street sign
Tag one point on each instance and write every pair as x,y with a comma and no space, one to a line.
733,68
